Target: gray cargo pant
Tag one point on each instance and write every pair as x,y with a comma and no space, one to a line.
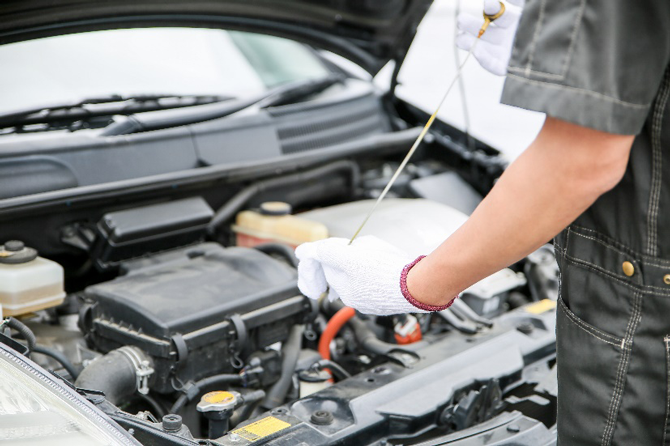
614,358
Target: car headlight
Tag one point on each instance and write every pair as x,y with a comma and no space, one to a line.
35,409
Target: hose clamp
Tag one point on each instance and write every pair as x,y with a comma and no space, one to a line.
142,366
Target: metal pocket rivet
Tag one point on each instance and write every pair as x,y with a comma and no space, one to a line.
666,279
628,268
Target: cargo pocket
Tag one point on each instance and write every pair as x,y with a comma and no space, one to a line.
589,378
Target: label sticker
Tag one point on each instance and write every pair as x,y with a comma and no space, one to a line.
541,306
261,429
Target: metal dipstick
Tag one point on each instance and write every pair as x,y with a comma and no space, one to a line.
488,18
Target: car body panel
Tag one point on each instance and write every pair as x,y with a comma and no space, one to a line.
369,33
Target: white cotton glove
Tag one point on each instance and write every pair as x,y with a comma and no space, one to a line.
364,275
495,47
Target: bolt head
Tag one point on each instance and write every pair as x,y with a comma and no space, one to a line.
172,422
322,418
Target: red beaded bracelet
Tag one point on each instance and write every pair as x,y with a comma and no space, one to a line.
405,291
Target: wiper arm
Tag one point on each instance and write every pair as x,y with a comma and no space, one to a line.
281,95
103,106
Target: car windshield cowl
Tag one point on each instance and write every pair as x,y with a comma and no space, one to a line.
283,94
144,112
59,115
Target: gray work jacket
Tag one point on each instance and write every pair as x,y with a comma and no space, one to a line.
603,64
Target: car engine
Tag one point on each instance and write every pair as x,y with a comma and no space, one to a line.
186,323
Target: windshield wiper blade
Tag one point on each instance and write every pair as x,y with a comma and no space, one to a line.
283,94
295,92
103,106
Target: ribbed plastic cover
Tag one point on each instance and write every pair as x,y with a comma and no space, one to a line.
200,288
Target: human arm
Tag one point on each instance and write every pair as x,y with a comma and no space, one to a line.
560,175
589,78
557,178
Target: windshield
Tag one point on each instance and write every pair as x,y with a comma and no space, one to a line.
186,61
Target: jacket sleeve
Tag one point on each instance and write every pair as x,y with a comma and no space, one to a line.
595,63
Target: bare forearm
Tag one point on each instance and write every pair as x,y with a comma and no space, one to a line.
542,192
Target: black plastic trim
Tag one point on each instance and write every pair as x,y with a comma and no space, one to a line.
60,200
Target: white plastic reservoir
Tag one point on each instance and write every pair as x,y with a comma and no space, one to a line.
27,282
416,226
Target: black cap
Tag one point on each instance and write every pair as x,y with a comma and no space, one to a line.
14,245
14,252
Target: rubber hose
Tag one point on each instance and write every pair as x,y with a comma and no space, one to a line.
244,412
364,335
369,341
290,352
333,327
228,210
25,332
59,357
253,397
280,249
114,374
334,368
196,389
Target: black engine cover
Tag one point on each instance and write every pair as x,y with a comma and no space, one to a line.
197,311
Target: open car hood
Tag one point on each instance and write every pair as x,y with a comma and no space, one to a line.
368,32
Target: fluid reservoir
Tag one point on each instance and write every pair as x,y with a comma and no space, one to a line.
27,282
415,225
273,222
312,381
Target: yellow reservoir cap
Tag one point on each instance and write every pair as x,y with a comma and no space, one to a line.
218,401
218,397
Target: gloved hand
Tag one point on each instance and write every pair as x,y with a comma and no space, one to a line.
495,47
365,275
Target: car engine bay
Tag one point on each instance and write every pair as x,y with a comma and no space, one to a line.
191,324
148,279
